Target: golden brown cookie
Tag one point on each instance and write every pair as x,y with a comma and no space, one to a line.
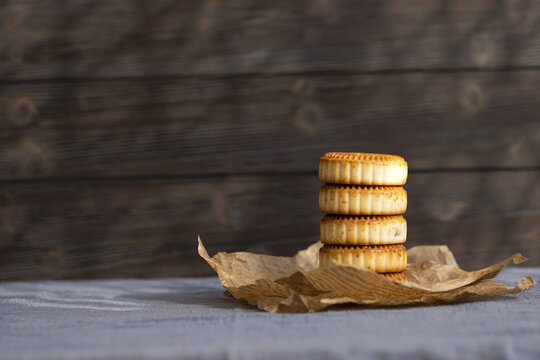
381,259
396,276
363,230
362,200
362,169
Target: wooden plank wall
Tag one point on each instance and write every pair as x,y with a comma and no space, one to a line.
129,127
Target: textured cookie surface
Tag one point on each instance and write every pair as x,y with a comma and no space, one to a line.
362,169
363,230
362,200
396,276
381,259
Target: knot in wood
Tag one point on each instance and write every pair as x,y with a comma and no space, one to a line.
308,118
30,157
483,49
303,87
471,97
21,111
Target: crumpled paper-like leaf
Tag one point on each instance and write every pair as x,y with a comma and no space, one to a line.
297,284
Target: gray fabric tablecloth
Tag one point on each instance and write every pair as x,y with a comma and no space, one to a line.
191,318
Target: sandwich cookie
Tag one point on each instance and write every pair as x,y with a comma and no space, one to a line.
362,200
362,169
381,259
363,230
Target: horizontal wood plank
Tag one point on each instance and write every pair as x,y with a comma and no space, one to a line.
88,38
267,124
115,228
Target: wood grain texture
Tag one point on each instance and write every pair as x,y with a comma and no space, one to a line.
90,38
127,127
114,228
267,124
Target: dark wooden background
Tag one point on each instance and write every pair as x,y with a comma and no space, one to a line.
129,127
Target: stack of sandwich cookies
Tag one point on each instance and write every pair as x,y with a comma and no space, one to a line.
364,200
